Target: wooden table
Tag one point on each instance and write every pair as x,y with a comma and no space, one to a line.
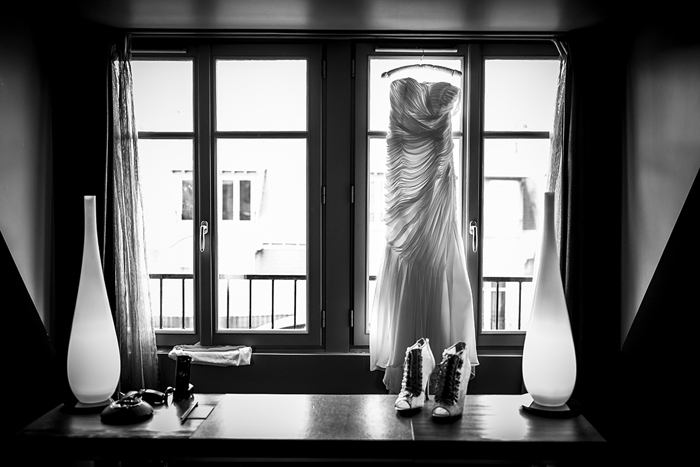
297,427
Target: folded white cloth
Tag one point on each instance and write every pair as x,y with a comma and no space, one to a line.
220,355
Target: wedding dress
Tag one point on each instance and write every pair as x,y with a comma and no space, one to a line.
422,287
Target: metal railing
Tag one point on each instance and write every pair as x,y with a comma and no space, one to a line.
170,321
184,317
499,301
258,321
496,312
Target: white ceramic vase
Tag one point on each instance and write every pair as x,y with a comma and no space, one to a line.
549,359
93,351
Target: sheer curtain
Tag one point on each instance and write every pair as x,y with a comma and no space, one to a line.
134,323
558,140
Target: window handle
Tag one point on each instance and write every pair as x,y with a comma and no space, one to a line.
474,231
203,231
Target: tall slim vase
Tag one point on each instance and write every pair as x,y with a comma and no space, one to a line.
93,350
549,359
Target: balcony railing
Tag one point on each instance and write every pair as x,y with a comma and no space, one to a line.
506,303
279,294
173,289
272,301
251,301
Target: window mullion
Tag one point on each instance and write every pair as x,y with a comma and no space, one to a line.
262,134
204,162
516,134
165,135
474,172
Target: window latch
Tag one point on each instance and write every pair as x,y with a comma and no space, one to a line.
203,231
474,231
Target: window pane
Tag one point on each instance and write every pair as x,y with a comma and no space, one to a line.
520,94
227,200
244,206
163,95
515,177
261,95
379,87
262,257
375,206
187,200
166,179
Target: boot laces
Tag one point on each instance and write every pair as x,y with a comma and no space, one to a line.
412,373
447,391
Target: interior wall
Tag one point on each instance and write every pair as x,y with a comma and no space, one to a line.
79,114
663,152
25,158
663,155
660,243
25,219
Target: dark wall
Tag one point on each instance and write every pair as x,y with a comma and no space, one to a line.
30,374
633,391
328,374
657,365
25,156
656,362
593,171
29,365
79,115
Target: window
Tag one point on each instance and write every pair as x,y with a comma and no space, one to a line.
501,140
372,108
187,200
238,188
263,173
519,101
164,108
234,257
227,200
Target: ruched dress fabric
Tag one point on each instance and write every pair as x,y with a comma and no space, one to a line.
422,285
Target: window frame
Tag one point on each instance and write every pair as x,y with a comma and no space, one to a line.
489,340
476,52
363,54
178,52
336,175
235,182
203,54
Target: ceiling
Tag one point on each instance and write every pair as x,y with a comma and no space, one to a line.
446,16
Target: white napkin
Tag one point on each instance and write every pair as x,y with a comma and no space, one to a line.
220,355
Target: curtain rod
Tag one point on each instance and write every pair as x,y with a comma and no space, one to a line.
342,35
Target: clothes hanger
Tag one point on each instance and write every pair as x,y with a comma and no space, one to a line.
441,68
431,66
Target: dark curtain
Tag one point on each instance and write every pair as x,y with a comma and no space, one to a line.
591,200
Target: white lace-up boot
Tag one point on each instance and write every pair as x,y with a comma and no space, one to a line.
417,368
453,377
